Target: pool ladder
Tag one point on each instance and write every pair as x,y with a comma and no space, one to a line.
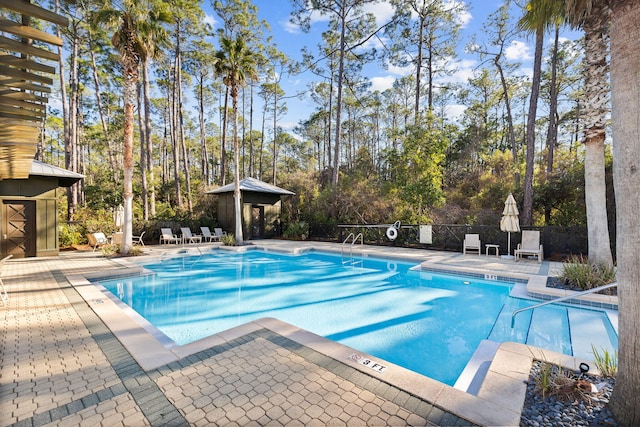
354,240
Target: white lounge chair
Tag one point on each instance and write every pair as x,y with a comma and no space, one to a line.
219,233
4,296
137,240
167,236
207,236
530,245
471,242
187,237
97,239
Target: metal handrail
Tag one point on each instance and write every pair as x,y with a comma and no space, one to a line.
353,242
560,299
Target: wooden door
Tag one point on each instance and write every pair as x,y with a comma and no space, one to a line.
257,222
18,228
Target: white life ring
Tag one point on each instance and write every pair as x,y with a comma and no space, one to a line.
392,233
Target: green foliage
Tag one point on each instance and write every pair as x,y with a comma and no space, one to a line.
607,363
297,230
228,240
585,275
113,250
71,234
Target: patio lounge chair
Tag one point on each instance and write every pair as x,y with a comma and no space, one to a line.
187,237
207,236
3,292
219,233
97,239
471,242
530,245
167,236
137,240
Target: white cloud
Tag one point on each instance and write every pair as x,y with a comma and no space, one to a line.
464,16
400,71
381,83
210,20
518,51
462,71
454,111
382,11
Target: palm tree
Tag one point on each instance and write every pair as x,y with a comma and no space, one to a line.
625,63
236,64
625,93
131,23
593,17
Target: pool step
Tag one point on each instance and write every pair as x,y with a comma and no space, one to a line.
549,329
587,329
558,328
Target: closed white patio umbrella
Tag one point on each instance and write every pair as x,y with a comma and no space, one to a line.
510,221
118,217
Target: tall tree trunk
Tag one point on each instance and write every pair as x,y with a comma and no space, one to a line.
65,109
416,108
204,166
552,132
103,121
223,148
175,141
625,90
596,72
511,131
148,140
143,156
527,205
251,161
180,116
236,173
130,78
338,130
71,149
275,133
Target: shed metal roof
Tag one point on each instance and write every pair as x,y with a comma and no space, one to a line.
252,184
65,177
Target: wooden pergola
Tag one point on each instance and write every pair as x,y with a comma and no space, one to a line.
25,82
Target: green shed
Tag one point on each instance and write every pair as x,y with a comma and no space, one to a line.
29,211
261,205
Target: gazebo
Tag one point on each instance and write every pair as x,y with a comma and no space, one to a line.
261,205
29,211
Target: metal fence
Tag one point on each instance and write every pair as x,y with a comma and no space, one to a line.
558,242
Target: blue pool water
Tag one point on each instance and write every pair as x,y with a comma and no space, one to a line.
427,322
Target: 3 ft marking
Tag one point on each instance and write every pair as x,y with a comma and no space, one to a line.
367,362
490,277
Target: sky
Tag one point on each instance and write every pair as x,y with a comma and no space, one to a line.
290,40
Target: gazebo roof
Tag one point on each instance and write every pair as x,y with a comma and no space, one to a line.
65,177
252,184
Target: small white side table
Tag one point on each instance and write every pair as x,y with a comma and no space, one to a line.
496,247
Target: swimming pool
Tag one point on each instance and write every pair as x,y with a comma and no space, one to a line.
426,322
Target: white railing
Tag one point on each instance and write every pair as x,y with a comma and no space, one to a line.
354,239
565,298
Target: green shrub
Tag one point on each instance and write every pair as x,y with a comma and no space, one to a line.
228,240
297,230
585,275
606,362
71,234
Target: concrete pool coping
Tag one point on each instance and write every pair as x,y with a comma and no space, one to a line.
500,390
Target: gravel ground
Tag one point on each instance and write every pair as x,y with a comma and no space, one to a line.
577,411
